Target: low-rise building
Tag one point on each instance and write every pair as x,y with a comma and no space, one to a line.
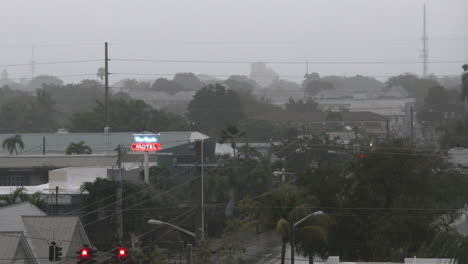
26,231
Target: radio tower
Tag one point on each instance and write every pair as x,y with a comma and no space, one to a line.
425,51
33,63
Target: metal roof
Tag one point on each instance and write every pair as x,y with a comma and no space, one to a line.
10,216
39,229
57,161
9,242
57,143
66,230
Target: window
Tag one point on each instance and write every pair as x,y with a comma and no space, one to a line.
12,180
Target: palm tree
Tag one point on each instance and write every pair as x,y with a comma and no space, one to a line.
282,227
448,242
13,143
19,195
100,73
278,209
312,239
78,148
232,135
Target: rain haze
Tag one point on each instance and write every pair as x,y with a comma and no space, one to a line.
237,132
238,31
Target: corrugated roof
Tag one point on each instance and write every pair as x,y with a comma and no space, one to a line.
9,242
57,161
56,143
64,229
10,216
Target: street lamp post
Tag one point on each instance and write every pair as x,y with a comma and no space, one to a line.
294,229
192,234
157,222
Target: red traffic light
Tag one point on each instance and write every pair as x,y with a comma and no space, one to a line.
361,156
122,252
84,252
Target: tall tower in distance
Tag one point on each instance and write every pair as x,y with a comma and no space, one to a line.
425,50
33,64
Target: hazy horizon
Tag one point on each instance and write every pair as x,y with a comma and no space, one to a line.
245,31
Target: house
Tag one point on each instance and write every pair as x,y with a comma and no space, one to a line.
14,248
459,156
367,122
26,231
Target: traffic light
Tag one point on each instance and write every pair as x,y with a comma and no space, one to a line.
55,252
86,255
120,254
361,156
58,253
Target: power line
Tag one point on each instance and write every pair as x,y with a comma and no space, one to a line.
49,63
287,62
260,76
57,76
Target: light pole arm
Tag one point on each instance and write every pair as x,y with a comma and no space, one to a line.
180,229
302,220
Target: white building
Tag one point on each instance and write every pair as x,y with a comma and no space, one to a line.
392,103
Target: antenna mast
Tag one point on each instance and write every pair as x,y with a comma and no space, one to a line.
425,51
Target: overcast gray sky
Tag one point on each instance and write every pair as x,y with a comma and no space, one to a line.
241,30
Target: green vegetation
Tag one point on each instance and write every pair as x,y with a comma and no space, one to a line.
13,143
78,148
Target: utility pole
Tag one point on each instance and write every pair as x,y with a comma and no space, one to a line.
106,83
425,51
306,76
119,194
56,199
356,143
43,145
387,129
411,128
202,194
146,167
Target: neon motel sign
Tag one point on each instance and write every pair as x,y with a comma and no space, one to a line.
145,142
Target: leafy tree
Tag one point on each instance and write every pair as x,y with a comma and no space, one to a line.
326,182
13,143
126,115
312,237
240,84
231,248
41,80
98,209
315,86
278,209
167,86
43,112
302,107
189,81
203,253
71,98
78,148
161,178
464,91
416,87
421,180
214,107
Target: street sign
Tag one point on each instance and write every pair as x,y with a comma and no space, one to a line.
145,146
145,142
